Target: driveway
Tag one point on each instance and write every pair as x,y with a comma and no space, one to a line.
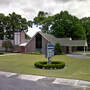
78,56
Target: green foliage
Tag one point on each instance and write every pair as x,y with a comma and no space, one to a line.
87,88
7,45
66,25
78,32
27,37
30,23
61,25
54,65
86,24
1,53
10,24
40,18
58,49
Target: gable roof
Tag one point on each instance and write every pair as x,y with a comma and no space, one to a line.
63,41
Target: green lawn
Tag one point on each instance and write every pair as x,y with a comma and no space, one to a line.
24,63
88,54
88,89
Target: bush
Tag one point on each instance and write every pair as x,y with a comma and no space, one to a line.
54,65
1,53
58,49
7,44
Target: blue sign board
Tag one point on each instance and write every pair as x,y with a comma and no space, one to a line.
50,50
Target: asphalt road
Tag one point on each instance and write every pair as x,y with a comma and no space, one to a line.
12,83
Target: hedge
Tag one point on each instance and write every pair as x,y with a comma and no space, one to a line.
1,53
54,65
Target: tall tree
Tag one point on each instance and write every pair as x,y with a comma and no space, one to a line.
7,44
10,24
61,25
39,19
66,25
2,16
86,24
18,23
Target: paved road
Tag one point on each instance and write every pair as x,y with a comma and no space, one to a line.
13,83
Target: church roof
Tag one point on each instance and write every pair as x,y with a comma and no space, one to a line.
64,41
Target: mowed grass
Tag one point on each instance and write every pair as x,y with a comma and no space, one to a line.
88,89
24,63
88,54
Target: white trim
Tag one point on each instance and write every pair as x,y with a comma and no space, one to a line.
23,44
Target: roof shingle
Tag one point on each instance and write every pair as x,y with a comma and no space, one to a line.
64,41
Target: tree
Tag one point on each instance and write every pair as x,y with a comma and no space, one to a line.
2,26
58,49
66,25
17,23
40,18
7,45
30,23
10,24
61,25
86,24
78,32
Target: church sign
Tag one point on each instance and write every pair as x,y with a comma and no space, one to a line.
50,50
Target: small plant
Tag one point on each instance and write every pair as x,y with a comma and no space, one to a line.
1,53
7,45
58,49
54,65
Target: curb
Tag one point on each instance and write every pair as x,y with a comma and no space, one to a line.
71,82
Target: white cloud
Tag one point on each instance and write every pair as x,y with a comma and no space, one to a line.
33,31
30,8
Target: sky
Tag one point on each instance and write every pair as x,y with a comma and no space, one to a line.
30,8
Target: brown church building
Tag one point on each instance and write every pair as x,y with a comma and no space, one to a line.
40,40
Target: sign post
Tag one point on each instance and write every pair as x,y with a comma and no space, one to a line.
50,52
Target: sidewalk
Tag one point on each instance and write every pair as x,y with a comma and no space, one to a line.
71,82
78,56
10,54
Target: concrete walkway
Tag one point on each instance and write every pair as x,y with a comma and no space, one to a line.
78,56
56,81
10,54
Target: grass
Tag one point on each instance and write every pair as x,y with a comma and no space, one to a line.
88,54
88,89
24,63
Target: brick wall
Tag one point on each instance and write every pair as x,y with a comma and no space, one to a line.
44,43
31,46
22,37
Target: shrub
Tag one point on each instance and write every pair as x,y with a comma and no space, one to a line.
58,49
54,65
7,45
1,53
